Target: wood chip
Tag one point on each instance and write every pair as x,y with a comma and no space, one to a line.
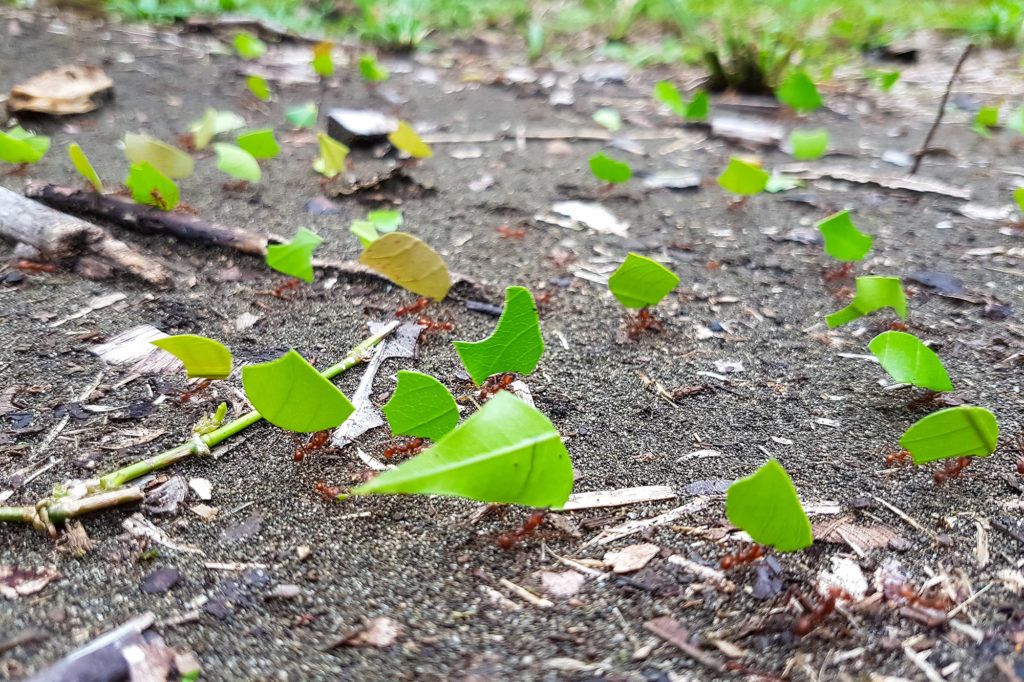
525,594
631,558
626,529
618,497
711,575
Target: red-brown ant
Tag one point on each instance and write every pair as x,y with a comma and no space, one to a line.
818,614
841,272
897,589
513,537
644,321
31,266
316,442
434,325
741,557
287,286
413,309
411,447
543,298
494,384
327,492
188,395
952,470
507,232
895,456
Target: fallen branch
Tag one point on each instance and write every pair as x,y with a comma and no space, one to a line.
919,154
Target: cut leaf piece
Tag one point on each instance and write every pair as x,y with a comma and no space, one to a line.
515,346
258,86
322,63
697,109
1018,195
84,168
872,293
290,393
767,507
237,162
260,143
151,187
743,178
365,230
908,361
842,239
808,144
166,158
201,356
608,169
302,116
798,91
410,263
953,432
332,156
508,452
609,118
18,145
249,46
386,221
294,257
421,406
887,79
641,282
370,70
406,139
214,123
694,110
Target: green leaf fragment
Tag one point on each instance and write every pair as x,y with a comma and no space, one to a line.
365,230
766,506
887,79
808,144
842,239
697,109
694,110
534,40
608,169
641,282
84,168
260,143
18,145
294,257
167,159
323,65
290,393
953,432
370,70
302,116
237,162
988,117
249,46
421,406
798,91
508,452
332,156
515,346
782,183
151,187
213,123
1016,120
1018,195
872,294
609,118
386,221
741,177
908,361
201,356
258,86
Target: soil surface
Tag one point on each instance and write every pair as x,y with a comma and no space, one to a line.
744,336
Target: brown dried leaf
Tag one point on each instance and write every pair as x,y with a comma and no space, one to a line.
18,582
843,531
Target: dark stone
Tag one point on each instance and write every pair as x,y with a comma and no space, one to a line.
360,127
161,580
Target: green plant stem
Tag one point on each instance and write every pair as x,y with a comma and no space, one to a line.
108,484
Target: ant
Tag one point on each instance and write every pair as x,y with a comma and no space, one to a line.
188,395
513,537
841,272
31,266
327,492
507,232
434,325
413,309
818,614
896,456
952,470
543,298
843,293
897,589
317,441
495,384
287,286
411,447
741,557
644,321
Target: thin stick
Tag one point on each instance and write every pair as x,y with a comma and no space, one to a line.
106,486
919,154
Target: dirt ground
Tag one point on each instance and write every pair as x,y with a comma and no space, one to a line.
752,291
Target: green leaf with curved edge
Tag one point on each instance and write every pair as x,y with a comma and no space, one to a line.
872,293
201,356
887,79
386,221
421,406
741,177
908,361
290,393
365,230
608,169
166,158
508,452
516,344
609,118
641,282
371,70
406,139
151,187
953,432
302,116
332,156
18,145
237,162
323,65
410,263
697,109
534,40
249,46
258,86
1016,120
843,240
781,183
988,117
84,168
808,144
214,123
766,506
260,143
1018,195
798,91
294,257
668,94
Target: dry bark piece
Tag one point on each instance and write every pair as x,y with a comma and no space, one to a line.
18,582
845,531
618,497
670,630
631,558
67,90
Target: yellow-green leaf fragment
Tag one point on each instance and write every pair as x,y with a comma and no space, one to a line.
954,432
798,91
151,187
302,116
668,94
406,139
248,45
258,86
608,169
365,230
332,156
166,158
843,240
18,145
872,294
988,117
908,361
201,356
515,346
260,143
371,70
766,506
213,123
290,393
641,282
84,168
237,162
808,144
386,221
508,452
410,263
421,406
294,257
609,118
741,177
322,63
1018,196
